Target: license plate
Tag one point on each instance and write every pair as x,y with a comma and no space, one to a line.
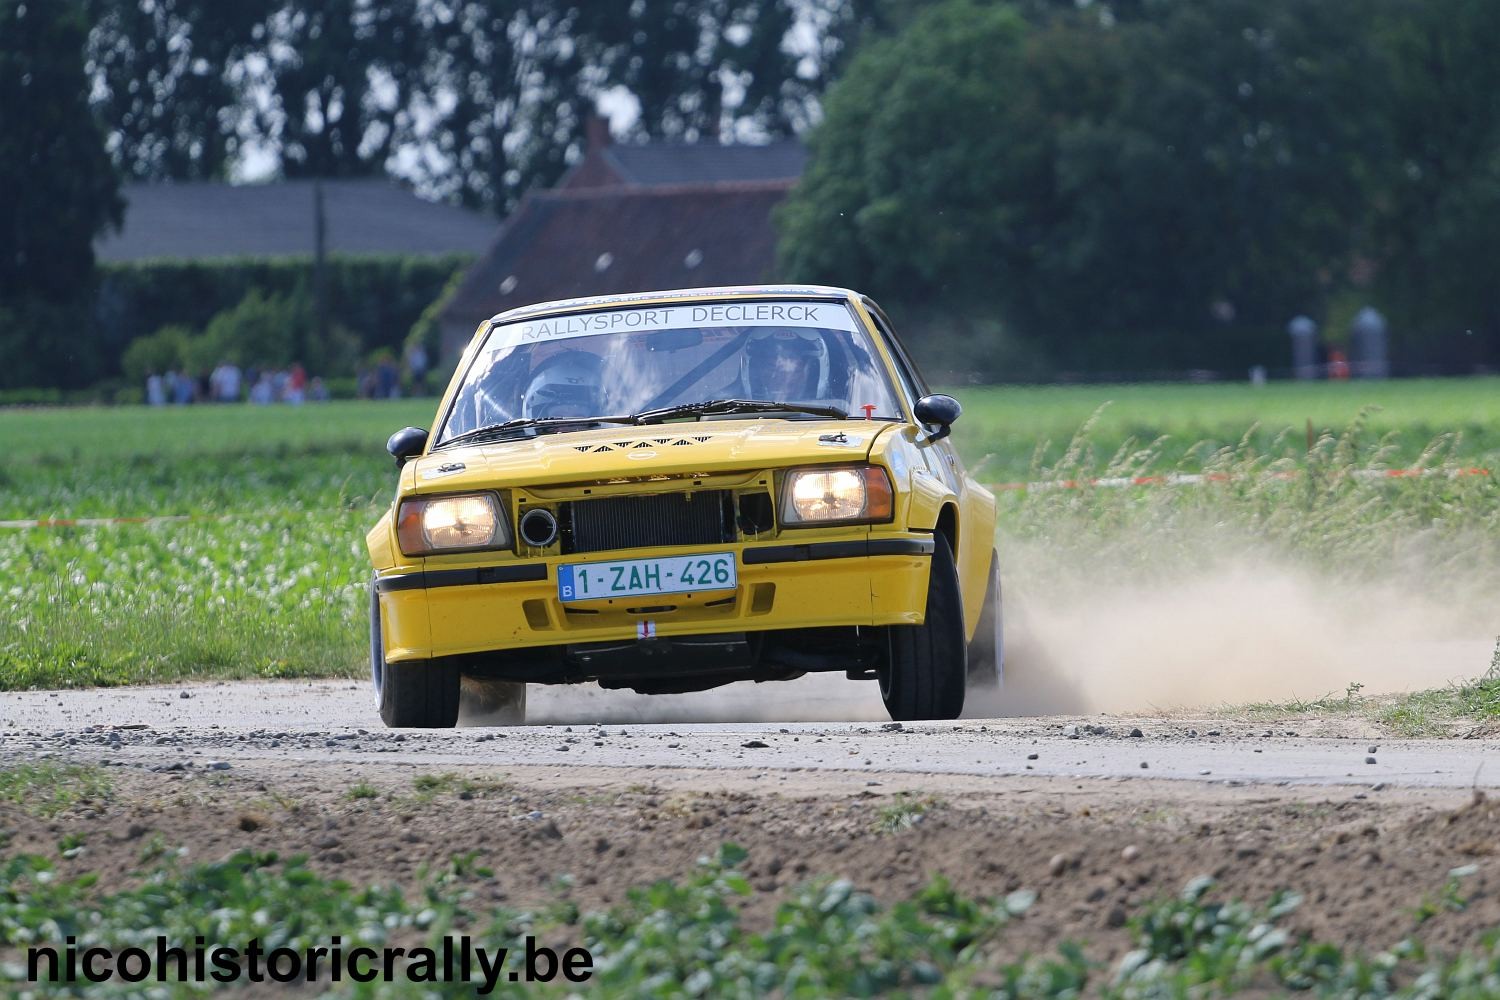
635,577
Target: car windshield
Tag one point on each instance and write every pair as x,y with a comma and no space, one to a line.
618,362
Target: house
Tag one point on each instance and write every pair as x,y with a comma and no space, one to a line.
632,218
210,220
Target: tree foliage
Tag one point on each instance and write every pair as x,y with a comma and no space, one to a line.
476,100
57,190
1433,240
1201,171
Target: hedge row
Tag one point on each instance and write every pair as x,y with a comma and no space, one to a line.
378,298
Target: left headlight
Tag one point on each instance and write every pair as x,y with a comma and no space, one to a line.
427,525
836,495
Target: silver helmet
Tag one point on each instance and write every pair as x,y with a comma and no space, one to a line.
785,363
569,384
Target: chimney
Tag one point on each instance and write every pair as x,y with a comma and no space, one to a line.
596,132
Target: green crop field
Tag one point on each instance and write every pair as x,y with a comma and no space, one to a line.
266,577
1009,423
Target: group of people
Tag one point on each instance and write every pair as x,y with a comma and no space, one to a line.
227,383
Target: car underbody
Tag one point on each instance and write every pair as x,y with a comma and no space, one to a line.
678,664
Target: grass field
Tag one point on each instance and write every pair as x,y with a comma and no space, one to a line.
276,588
1009,423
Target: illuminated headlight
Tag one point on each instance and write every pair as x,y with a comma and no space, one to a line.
451,524
840,494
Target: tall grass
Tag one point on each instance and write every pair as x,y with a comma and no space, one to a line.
277,589
1329,506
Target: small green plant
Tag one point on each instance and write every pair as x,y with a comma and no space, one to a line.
1450,899
71,845
362,790
46,788
904,812
429,786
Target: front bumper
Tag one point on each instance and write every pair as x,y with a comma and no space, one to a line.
872,580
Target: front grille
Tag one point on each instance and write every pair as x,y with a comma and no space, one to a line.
702,518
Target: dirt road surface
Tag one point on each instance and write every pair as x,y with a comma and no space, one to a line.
1096,814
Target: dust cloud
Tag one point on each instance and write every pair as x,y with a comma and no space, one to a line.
1090,638
1245,629
813,698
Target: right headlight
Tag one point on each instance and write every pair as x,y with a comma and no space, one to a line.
461,523
842,494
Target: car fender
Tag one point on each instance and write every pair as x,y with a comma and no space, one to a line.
921,496
380,540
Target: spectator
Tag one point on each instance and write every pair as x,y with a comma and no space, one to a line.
387,379
182,387
156,392
1370,355
1304,333
264,391
416,366
296,384
316,390
224,382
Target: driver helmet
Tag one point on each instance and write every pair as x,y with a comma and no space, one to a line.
785,363
569,384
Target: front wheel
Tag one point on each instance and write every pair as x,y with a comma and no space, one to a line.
925,671
411,694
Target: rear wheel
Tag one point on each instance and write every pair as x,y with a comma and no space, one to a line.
987,651
924,674
413,694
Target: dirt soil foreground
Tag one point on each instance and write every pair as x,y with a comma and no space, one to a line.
1364,859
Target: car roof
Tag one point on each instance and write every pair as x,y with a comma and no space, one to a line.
639,298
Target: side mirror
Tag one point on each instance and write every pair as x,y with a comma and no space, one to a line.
406,443
940,410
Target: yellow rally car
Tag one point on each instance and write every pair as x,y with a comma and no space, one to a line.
675,490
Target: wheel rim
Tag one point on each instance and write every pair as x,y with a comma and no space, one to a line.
884,671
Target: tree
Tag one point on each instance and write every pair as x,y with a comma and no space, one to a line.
704,69
504,95
474,100
1106,187
164,74
339,74
57,191
932,171
1224,194
1440,205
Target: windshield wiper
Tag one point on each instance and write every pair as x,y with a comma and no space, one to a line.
528,423
711,407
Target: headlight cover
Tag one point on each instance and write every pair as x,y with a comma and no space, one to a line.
839,494
462,523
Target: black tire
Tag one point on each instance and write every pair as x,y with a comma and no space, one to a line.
413,694
987,651
924,673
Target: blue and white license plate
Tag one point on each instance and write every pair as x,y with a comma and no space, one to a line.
637,577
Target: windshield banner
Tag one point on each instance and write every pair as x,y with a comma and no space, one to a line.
823,315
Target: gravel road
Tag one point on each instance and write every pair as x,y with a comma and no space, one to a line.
1097,815
223,725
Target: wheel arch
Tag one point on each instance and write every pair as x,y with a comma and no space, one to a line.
947,526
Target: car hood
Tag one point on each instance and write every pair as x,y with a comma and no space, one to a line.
676,449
